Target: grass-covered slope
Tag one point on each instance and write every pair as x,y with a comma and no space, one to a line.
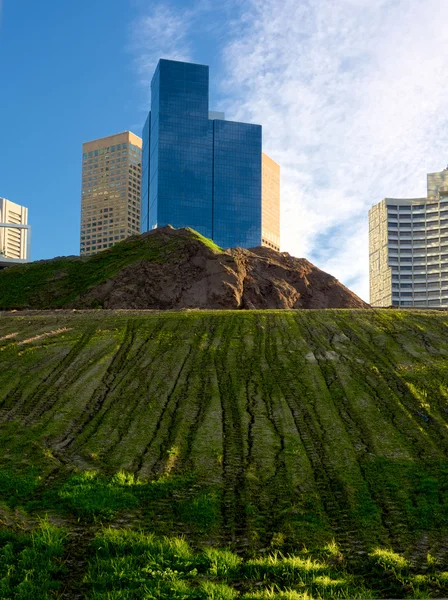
59,282
297,454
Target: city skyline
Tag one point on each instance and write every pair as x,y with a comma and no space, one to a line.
203,171
352,108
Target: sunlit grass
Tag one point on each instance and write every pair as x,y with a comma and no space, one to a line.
222,562
90,495
389,559
275,594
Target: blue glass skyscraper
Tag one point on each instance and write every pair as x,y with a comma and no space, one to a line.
199,170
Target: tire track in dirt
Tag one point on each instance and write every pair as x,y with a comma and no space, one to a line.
124,378
275,493
62,396
52,401
178,412
184,414
76,555
166,405
327,482
48,386
394,515
233,464
361,438
149,387
399,392
203,395
138,399
420,329
114,373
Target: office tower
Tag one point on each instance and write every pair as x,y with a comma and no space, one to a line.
408,248
111,190
204,172
270,217
15,235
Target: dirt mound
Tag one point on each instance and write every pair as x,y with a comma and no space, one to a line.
195,274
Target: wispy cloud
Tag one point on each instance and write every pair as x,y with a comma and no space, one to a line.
161,33
197,30
353,98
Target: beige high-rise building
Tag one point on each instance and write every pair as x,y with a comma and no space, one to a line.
111,187
270,203
14,233
408,248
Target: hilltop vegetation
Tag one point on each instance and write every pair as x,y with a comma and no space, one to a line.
173,268
256,454
59,282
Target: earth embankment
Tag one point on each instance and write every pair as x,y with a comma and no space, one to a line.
173,269
259,431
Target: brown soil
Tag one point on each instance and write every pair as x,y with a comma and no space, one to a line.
198,277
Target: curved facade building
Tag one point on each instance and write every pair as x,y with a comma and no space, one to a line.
408,248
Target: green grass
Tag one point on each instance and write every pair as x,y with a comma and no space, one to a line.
59,282
300,451
133,564
88,495
31,565
16,488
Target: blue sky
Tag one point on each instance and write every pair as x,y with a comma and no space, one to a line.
66,78
352,96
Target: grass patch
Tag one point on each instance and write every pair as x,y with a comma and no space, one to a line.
90,495
206,241
394,576
420,490
131,564
16,488
203,511
31,566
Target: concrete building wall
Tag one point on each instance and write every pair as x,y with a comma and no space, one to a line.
111,191
408,251
13,241
380,272
437,184
270,203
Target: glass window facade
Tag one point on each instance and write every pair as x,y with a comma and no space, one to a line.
198,172
146,143
111,191
236,184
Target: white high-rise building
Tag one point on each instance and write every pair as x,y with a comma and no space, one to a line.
14,233
408,248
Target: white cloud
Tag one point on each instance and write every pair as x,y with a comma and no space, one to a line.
352,96
161,33
353,99
173,32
